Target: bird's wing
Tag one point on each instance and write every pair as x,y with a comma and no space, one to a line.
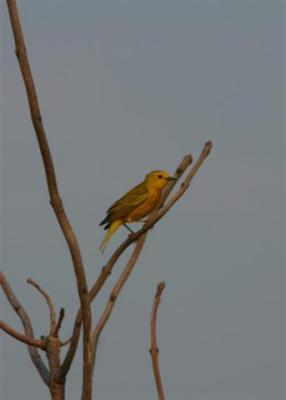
127,203
131,199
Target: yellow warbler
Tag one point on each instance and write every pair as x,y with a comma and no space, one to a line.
135,204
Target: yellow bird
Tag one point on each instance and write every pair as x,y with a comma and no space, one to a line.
135,204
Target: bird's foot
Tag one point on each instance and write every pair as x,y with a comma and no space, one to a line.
131,235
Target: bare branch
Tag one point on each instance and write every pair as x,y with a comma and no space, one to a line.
154,350
186,183
53,314
114,295
19,309
153,218
151,221
55,199
22,338
106,270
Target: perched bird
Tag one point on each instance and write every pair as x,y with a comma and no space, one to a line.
135,204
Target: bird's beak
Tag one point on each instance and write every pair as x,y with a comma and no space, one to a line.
170,178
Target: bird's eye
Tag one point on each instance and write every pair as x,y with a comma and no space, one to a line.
160,176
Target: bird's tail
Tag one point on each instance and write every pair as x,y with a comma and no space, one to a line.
112,229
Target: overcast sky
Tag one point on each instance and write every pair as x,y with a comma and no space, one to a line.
124,88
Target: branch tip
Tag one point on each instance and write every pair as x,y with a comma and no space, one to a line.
208,147
59,323
160,287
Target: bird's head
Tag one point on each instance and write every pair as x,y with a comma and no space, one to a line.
158,179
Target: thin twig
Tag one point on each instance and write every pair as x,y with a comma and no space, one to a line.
53,314
55,199
154,350
24,317
186,183
59,323
107,269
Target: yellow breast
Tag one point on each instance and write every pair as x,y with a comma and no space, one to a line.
146,207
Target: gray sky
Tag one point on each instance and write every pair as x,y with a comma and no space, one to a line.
124,88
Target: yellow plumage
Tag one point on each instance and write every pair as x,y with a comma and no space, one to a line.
135,204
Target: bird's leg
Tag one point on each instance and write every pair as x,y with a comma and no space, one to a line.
130,230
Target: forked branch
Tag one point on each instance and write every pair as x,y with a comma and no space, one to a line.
55,199
85,296
107,269
29,334
151,221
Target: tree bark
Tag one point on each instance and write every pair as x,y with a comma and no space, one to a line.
56,386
